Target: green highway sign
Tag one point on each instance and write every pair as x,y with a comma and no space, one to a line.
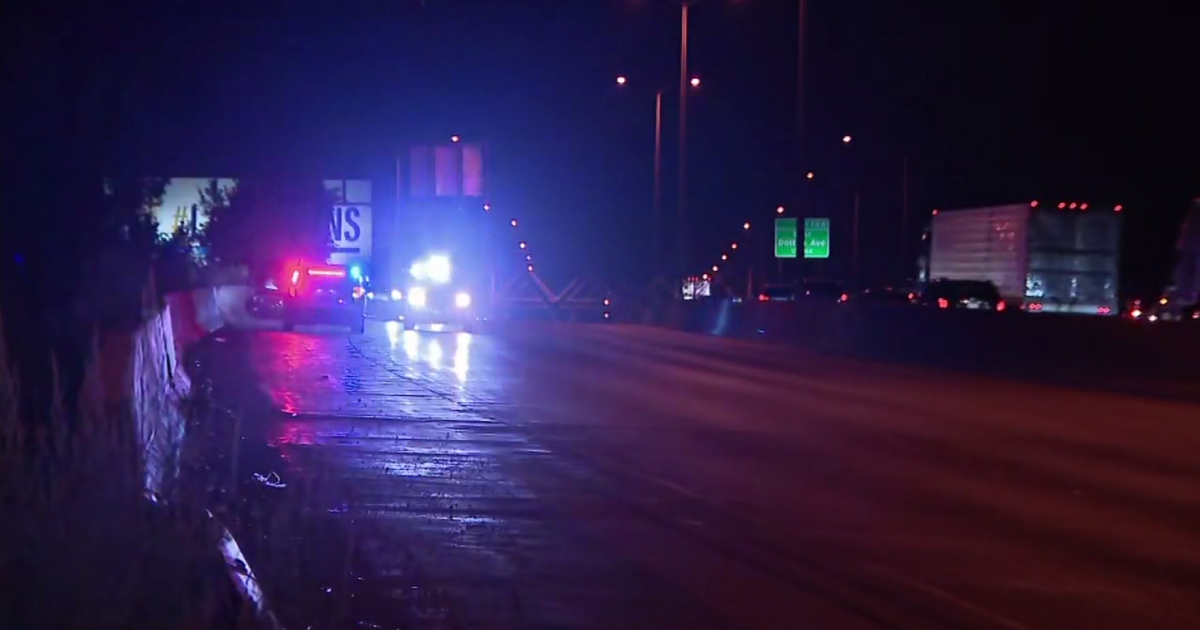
785,238
816,238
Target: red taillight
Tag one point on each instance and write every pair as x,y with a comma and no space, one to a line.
1117,208
762,297
1135,313
1062,204
1036,306
912,295
844,298
943,303
1000,306
327,272
1104,310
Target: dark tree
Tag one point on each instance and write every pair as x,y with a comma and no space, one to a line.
268,219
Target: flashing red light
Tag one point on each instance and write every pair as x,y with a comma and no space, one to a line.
1000,306
1033,204
762,297
1062,204
327,272
943,303
1083,206
1117,208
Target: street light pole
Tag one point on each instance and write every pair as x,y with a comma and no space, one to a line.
657,227
683,85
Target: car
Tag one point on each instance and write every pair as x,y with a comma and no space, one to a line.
436,299
962,294
323,294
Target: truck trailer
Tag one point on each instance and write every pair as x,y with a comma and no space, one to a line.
1060,257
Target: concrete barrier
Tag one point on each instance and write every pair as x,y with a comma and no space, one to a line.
1076,350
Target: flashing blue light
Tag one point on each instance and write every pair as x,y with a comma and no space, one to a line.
356,272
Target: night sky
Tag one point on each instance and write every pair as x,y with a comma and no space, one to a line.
990,102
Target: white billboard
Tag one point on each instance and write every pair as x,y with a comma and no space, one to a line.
350,229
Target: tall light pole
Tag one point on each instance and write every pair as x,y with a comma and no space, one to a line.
681,230
693,82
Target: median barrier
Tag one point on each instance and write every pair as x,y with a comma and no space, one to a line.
1070,349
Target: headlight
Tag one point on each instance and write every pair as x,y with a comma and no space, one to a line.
438,268
416,297
396,294
462,299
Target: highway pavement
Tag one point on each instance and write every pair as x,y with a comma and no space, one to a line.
630,477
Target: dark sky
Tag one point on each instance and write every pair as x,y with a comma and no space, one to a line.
990,102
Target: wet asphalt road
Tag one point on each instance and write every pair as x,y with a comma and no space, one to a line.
623,477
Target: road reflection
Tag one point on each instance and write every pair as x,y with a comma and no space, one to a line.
432,349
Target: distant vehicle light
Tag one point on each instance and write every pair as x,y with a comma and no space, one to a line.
326,272
454,138
487,207
762,297
607,315
733,246
1083,206
715,268
844,298
1117,208
529,268
943,303
462,299
1036,306
397,295
1196,314
1033,204
912,295
417,297
1163,301
1072,205
1000,306
607,301
513,223
522,245
746,225
1062,204
935,212
356,272
1135,313
1153,318
1104,310
779,210
437,267
724,256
